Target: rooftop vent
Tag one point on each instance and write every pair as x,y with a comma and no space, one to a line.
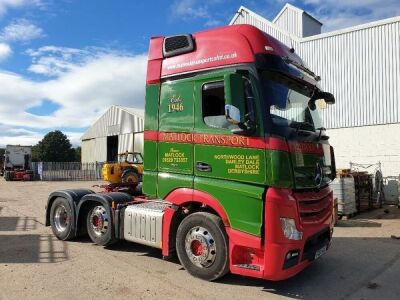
178,44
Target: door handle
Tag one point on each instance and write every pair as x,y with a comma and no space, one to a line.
203,167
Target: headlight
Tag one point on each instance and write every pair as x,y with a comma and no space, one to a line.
289,229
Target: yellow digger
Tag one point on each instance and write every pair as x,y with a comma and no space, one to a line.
128,169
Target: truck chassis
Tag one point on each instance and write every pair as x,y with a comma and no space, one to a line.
197,231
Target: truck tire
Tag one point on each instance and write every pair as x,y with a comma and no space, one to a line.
130,176
62,219
202,246
99,226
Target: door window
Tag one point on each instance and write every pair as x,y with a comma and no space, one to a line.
214,105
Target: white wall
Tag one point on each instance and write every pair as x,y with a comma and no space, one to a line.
94,150
139,142
368,145
360,65
290,20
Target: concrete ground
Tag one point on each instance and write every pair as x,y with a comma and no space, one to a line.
363,262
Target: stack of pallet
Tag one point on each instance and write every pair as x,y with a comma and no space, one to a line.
344,191
363,188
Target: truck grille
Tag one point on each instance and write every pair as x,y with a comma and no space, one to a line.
314,207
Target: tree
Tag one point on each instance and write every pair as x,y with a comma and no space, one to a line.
78,153
55,146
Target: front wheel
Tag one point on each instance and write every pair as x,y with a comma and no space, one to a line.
202,246
99,226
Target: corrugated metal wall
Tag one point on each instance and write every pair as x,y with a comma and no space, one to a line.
247,17
116,120
88,150
362,69
120,121
94,150
125,142
291,21
360,66
101,149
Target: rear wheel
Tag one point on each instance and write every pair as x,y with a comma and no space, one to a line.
99,226
61,219
202,246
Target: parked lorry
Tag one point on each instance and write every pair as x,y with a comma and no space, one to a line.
17,163
236,162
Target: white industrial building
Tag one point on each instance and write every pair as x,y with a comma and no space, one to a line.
360,65
118,130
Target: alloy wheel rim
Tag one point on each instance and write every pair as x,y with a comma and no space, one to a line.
99,220
200,247
61,218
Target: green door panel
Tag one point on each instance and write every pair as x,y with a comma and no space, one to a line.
150,183
176,158
150,157
243,203
167,182
232,163
151,107
176,106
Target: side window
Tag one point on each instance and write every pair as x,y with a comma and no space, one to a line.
213,106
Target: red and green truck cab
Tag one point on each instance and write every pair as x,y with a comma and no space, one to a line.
236,162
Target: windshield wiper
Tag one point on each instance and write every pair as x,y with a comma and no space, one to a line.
303,68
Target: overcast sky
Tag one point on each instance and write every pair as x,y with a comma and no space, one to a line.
64,62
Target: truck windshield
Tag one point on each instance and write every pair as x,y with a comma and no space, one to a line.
287,101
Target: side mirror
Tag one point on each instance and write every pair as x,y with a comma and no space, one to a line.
232,114
328,98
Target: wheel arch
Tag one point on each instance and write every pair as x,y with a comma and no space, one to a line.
105,199
72,196
185,196
172,218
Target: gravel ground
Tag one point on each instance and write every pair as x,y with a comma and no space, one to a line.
363,262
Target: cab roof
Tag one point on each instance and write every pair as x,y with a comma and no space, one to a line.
222,46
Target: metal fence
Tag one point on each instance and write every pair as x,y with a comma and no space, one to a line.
73,171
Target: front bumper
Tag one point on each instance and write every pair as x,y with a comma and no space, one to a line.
275,257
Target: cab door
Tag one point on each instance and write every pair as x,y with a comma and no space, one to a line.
226,165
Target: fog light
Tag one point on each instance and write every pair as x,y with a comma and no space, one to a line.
289,229
292,259
292,254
